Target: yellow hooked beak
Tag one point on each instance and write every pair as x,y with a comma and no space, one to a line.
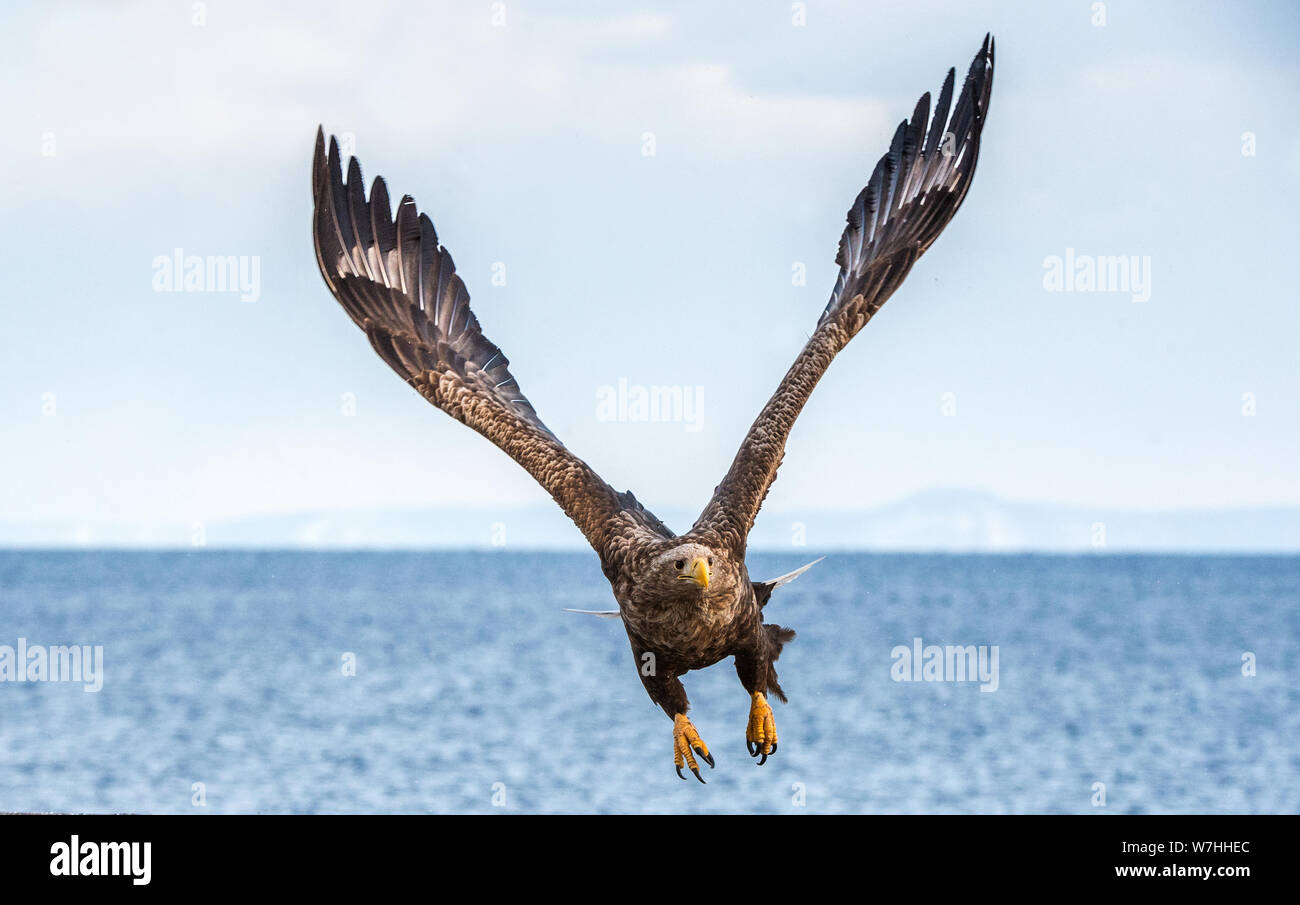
697,571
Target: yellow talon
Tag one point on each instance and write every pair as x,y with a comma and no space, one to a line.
685,741
760,734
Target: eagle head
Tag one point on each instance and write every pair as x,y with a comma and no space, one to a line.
686,569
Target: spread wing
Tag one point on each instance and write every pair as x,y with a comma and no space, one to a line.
399,285
914,191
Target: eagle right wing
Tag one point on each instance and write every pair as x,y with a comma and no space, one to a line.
399,285
914,191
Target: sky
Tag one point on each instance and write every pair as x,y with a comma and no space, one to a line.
630,191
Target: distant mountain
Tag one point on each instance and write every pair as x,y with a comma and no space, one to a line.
939,520
960,520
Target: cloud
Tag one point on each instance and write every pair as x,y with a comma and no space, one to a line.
140,79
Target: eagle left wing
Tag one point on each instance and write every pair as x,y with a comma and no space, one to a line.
914,191
398,284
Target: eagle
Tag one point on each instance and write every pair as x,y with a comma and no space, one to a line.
686,600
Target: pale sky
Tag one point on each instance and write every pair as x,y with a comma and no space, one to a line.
131,132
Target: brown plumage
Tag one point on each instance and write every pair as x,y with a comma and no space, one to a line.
686,601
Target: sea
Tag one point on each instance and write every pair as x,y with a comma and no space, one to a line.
455,682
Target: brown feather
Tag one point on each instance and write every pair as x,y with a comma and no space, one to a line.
400,286
911,196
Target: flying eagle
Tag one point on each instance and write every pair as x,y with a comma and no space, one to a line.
686,600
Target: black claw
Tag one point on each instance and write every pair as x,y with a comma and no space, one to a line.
773,747
764,760
708,758
753,752
680,775
696,771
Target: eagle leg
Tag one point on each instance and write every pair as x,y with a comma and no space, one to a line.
757,674
665,689
760,734
685,741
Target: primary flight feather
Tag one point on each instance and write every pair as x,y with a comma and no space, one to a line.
686,601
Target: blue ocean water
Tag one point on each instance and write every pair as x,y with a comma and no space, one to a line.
474,692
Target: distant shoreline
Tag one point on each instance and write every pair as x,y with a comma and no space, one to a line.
962,521
578,551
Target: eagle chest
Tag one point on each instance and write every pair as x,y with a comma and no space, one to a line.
694,634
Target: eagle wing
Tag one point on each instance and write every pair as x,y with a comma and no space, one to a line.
914,191
399,285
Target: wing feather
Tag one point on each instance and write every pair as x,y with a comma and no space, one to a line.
399,285
914,191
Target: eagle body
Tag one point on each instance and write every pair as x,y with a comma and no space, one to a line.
686,602
692,629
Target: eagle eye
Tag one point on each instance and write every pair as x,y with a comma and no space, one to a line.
681,564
